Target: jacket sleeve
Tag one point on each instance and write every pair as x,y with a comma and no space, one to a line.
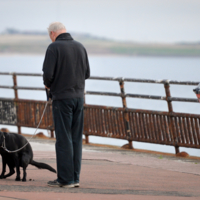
49,66
87,73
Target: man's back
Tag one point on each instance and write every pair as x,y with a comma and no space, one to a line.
66,67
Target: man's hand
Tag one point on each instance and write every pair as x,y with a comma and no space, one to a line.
46,87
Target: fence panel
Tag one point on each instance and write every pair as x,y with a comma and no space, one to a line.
104,121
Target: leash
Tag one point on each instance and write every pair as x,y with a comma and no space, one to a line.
4,142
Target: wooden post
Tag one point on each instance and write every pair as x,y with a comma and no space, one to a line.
16,97
86,139
52,134
15,85
126,117
170,109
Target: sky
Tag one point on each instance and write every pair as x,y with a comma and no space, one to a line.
154,21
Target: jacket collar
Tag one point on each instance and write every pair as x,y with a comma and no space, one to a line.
64,36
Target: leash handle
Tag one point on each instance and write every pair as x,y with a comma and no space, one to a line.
48,93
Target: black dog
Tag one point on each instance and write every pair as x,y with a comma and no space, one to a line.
19,159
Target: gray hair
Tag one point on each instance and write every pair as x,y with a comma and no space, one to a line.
56,26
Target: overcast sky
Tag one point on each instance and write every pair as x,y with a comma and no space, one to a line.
135,20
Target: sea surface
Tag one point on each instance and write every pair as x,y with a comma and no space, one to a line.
156,68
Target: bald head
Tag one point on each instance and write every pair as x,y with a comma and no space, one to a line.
55,29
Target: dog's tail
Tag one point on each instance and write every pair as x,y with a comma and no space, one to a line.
42,166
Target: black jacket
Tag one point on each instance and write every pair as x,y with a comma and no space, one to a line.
65,68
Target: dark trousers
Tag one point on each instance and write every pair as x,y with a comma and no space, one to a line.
68,122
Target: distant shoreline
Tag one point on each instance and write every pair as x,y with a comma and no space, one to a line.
37,45
101,55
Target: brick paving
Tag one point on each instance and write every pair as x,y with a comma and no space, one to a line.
110,173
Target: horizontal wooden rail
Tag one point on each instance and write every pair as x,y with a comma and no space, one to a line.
112,94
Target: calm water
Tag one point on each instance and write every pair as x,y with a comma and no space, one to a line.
183,69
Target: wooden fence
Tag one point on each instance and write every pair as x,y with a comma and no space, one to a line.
168,128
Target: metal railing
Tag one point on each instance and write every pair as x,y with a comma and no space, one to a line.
169,128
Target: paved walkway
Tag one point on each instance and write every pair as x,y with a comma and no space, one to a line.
110,173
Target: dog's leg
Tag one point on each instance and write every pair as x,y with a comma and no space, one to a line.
18,174
12,171
3,168
24,163
16,158
24,174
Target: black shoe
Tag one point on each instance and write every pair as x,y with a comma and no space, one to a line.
55,183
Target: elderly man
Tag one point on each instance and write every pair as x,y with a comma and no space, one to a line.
65,69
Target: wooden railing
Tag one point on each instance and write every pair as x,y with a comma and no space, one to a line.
169,128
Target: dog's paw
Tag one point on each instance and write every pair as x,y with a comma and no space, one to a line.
24,180
2,177
17,179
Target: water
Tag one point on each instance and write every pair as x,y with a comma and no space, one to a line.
182,69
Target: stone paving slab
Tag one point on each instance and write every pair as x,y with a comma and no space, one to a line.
110,174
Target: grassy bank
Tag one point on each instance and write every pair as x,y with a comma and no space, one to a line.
37,44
